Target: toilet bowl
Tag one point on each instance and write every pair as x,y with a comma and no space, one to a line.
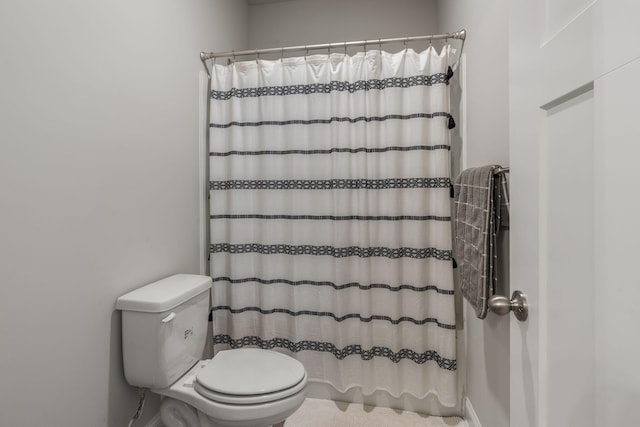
237,388
164,328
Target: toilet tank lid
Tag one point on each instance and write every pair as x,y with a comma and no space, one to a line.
164,294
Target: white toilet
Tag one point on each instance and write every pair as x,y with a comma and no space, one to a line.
164,330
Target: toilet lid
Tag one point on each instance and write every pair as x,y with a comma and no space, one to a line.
250,371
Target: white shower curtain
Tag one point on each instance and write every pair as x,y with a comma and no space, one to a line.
330,217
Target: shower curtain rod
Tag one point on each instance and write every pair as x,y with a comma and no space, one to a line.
204,56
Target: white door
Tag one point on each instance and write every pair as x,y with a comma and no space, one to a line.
575,212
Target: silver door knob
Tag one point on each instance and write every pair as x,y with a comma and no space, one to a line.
501,305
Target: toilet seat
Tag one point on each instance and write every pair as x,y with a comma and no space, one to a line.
250,376
249,399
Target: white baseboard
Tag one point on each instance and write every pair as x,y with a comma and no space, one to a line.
155,421
470,415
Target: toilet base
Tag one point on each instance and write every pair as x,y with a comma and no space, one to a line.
175,413
183,406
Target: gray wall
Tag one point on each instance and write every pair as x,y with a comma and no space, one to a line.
302,22
487,131
99,188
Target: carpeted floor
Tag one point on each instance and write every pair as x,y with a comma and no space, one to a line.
327,413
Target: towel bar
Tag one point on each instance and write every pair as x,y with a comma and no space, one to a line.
501,305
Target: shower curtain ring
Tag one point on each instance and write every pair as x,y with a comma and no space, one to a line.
345,47
380,45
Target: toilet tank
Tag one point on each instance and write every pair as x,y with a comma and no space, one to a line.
164,329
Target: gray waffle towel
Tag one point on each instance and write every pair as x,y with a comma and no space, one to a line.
481,207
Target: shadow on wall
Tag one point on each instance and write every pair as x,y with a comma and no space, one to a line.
456,111
496,335
456,168
121,394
